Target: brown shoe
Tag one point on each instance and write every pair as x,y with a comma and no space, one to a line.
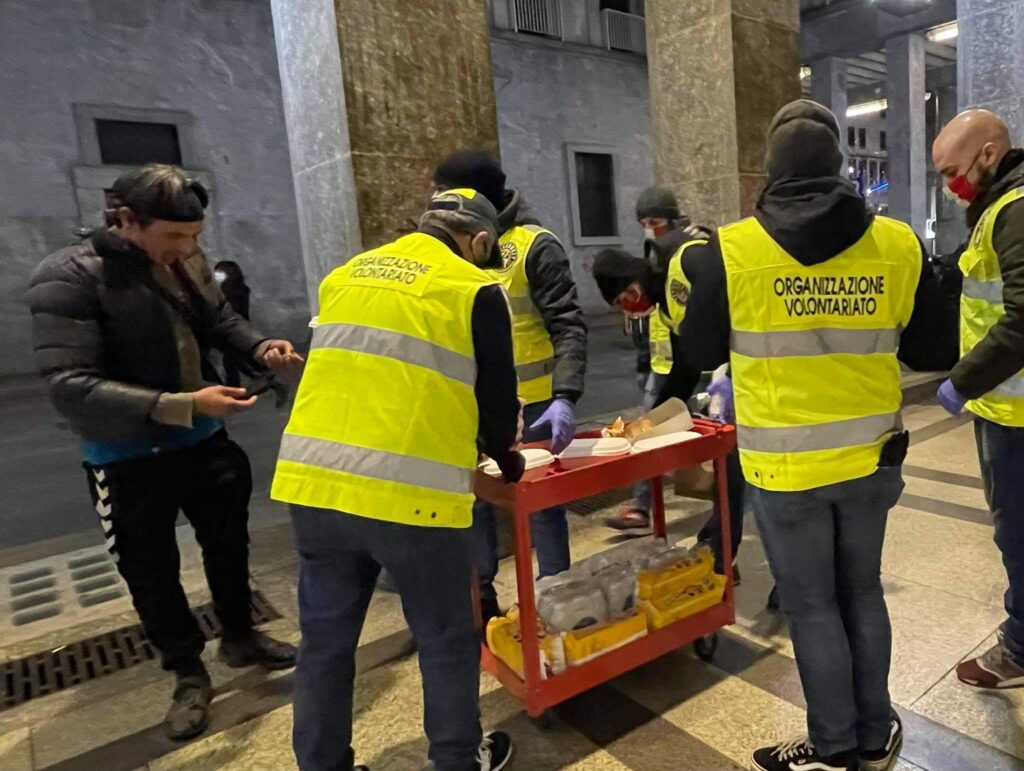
255,649
631,522
995,668
189,714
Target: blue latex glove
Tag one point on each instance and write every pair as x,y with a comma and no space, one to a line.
561,416
951,399
727,404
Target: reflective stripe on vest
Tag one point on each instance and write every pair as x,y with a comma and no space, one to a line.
531,343
981,308
814,368
385,421
375,464
815,342
395,345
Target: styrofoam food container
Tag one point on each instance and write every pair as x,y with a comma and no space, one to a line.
583,452
657,442
537,462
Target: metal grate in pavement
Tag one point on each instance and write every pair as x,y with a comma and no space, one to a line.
596,503
46,672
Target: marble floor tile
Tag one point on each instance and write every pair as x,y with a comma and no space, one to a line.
16,750
953,493
995,718
954,451
951,555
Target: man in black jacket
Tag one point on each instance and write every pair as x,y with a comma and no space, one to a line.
985,174
824,530
550,342
122,326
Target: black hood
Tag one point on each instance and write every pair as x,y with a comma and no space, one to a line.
813,219
516,211
664,247
1009,175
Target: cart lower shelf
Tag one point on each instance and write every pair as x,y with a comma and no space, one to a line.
537,697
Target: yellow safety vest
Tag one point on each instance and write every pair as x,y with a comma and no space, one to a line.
981,307
677,290
660,345
531,343
814,368
385,420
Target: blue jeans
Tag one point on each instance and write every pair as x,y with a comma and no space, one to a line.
825,550
340,558
549,529
1001,452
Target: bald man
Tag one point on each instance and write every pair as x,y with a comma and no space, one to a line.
984,174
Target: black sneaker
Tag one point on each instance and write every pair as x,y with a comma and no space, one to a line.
885,758
495,751
799,755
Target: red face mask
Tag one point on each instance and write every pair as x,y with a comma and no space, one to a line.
635,307
961,189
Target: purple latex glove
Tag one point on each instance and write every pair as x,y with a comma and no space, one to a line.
951,400
726,407
561,416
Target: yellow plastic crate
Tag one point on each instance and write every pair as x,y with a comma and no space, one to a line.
688,602
505,641
583,645
675,578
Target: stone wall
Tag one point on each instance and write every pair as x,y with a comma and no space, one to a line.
551,95
211,64
990,64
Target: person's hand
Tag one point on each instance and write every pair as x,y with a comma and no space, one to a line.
951,400
561,416
723,402
280,356
221,401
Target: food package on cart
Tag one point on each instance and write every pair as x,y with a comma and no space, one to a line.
618,584
684,603
504,639
587,644
667,418
572,604
673,572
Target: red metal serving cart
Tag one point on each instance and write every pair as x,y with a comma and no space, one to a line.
562,486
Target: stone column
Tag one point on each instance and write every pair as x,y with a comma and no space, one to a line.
990,59
828,87
376,93
905,122
316,116
719,72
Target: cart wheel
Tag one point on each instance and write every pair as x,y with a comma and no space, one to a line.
773,599
705,647
545,721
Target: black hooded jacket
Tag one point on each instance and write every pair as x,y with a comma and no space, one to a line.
813,220
1001,353
553,291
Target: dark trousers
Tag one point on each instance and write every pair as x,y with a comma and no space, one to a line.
711,533
549,529
1001,452
824,547
340,558
138,503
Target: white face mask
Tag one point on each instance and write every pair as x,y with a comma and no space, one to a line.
649,234
219,276
951,196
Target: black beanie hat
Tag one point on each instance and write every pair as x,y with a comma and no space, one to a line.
474,169
803,141
658,203
614,270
